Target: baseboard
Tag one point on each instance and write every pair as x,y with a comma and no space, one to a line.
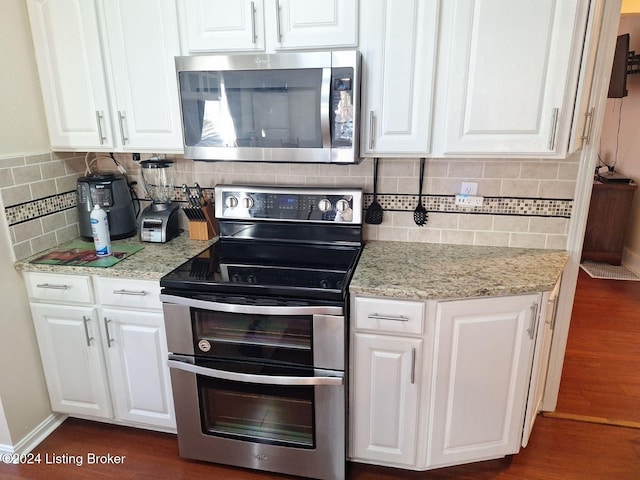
37,435
631,261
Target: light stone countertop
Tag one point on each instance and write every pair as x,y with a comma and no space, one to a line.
151,263
425,271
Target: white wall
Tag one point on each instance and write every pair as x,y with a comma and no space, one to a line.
24,401
22,126
620,141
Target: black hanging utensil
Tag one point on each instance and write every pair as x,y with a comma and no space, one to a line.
374,211
420,213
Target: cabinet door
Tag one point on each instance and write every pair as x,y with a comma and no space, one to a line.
221,26
384,399
484,351
141,40
69,57
511,78
69,341
136,351
541,354
398,44
320,24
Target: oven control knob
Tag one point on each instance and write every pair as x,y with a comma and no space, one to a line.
342,205
247,202
324,284
231,201
324,205
252,279
204,345
236,278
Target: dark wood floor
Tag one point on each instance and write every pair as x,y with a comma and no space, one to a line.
600,379
601,374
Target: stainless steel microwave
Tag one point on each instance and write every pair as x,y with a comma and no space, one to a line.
288,107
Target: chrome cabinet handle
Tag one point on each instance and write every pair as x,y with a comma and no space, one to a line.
52,286
99,119
532,323
254,39
139,293
372,130
106,327
85,321
122,119
554,127
413,366
252,378
586,132
278,28
398,318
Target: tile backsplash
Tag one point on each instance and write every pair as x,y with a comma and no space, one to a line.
527,202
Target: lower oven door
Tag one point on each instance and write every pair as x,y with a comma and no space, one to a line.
261,417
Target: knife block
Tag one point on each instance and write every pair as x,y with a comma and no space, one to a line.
204,230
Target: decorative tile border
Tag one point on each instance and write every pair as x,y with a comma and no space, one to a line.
23,212
536,207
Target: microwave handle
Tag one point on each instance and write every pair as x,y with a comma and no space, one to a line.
250,378
325,107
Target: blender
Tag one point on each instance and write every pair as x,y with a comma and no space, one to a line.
159,221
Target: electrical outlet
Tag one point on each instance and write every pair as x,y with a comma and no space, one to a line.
469,201
469,188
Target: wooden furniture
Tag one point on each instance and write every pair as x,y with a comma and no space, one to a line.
607,222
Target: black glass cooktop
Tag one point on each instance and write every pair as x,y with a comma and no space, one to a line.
267,268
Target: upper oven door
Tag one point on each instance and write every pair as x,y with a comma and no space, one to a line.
284,107
306,336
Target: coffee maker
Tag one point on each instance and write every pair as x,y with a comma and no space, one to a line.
111,191
159,221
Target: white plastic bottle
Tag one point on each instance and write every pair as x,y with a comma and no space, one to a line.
100,231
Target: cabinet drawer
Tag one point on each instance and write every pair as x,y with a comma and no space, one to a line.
51,287
118,292
396,316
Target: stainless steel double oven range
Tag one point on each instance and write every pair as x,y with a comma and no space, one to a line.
257,332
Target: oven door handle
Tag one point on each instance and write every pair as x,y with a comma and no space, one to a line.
250,378
250,309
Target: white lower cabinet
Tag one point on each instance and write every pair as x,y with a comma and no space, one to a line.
482,372
440,383
72,359
136,355
104,355
388,379
384,398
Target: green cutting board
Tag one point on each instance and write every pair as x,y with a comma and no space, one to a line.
81,253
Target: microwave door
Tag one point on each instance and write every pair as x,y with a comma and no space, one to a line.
255,115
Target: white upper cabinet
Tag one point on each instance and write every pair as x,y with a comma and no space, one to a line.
66,38
266,25
107,73
511,76
142,39
398,43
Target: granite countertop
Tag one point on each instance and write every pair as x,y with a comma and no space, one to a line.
150,263
438,271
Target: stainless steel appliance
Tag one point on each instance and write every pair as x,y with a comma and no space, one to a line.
286,107
111,191
159,221
257,332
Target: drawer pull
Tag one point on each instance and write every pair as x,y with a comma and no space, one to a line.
398,318
53,286
139,293
86,320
